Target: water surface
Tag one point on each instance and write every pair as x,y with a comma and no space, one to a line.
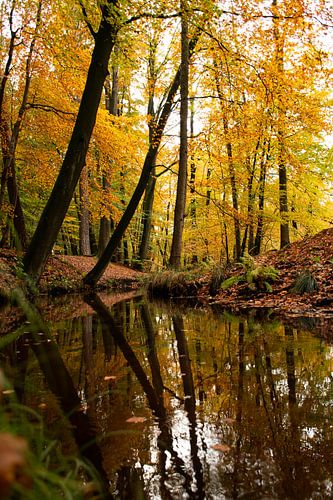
181,403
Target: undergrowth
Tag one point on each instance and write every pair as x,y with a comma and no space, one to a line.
173,283
257,277
32,464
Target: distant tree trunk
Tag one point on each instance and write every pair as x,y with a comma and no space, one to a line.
193,171
62,193
85,248
261,202
179,215
148,201
147,211
112,103
234,192
9,141
158,127
282,168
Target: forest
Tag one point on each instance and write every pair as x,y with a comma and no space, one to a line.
163,136
153,150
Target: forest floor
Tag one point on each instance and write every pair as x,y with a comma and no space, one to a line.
313,254
63,274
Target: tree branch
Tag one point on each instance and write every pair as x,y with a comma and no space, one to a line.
86,20
49,109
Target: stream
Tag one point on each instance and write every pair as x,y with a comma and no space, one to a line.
172,402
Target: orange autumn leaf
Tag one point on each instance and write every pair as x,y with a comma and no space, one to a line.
13,451
221,447
136,420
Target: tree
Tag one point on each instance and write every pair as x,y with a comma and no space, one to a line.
55,210
10,136
158,127
179,214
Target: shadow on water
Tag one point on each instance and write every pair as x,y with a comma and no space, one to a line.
176,403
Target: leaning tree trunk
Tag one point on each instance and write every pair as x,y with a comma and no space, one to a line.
55,210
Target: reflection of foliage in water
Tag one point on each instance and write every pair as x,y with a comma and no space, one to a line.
232,407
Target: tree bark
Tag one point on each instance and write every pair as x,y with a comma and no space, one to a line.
74,161
179,214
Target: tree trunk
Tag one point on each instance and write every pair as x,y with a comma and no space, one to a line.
179,215
85,248
9,141
111,95
74,161
94,275
148,201
147,212
282,168
261,203
193,172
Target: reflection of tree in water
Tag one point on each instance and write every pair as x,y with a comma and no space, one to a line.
262,393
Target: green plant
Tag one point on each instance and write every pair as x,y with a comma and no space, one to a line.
23,276
257,277
217,276
305,282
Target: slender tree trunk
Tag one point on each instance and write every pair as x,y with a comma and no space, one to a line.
85,248
112,104
148,201
147,211
261,202
193,172
234,192
94,275
9,141
74,161
4,129
282,168
179,215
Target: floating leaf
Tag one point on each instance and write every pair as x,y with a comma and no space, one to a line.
136,420
229,420
221,447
